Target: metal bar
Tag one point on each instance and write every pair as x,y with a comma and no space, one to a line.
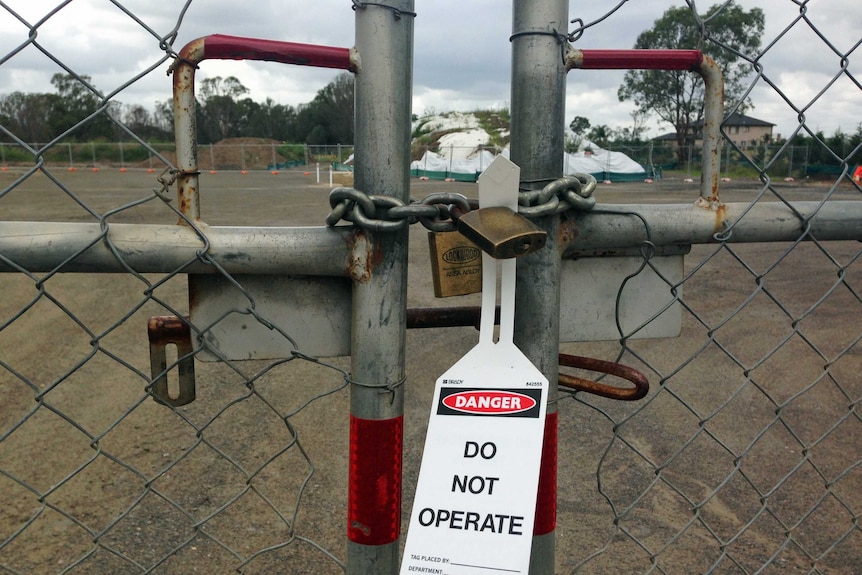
222,47
230,48
148,248
538,118
45,246
638,380
384,38
691,60
621,226
431,317
634,59
163,331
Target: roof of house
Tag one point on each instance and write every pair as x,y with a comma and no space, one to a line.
736,119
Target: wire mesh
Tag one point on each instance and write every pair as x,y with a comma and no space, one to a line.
745,458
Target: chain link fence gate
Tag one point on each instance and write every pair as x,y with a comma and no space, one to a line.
744,458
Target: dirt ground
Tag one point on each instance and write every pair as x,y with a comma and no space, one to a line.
746,456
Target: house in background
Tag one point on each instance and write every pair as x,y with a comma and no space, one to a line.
745,131
742,130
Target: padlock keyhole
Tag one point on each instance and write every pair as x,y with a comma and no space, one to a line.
523,246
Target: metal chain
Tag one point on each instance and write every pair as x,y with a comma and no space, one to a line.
439,212
573,192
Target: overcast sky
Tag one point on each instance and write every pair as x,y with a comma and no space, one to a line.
461,56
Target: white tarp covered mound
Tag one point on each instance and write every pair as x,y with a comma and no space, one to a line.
474,164
603,164
600,161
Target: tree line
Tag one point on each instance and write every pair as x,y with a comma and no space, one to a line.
75,112
726,32
822,148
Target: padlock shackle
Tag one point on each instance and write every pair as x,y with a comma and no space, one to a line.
222,47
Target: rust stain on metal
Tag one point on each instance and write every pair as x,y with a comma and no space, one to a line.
165,329
364,256
355,61
720,217
187,194
193,52
568,230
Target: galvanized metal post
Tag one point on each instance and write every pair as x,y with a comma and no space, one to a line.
384,41
538,120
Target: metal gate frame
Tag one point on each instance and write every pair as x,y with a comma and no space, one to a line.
376,261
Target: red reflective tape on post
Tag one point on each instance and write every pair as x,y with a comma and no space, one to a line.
641,59
374,481
222,47
546,501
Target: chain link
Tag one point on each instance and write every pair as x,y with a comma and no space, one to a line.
439,212
576,34
573,192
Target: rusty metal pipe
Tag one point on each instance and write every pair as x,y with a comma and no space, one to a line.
639,380
154,248
221,47
691,60
430,317
468,316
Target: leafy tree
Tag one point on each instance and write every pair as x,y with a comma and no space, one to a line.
600,135
24,115
725,32
163,117
579,125
270,120
76,101
144,124
633,134
854,141
40,118
219,113
328,119
223,111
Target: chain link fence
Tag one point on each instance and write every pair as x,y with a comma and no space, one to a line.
746,456
250,155
238,154
655,160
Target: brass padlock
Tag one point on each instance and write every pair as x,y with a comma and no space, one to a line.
456,264
502,233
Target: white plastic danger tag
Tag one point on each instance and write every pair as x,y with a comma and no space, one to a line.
476,495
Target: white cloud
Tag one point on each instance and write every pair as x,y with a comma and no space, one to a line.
461,55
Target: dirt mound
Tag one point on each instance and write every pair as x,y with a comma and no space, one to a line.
240,154
234,154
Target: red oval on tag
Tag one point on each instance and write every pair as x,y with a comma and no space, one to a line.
489,402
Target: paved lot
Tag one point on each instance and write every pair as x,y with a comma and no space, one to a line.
735,445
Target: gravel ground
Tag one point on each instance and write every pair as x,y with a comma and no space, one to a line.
741,456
